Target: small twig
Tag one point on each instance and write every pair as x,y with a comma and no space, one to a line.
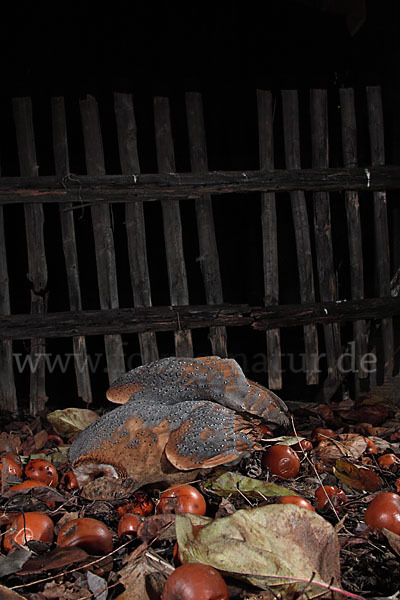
316,474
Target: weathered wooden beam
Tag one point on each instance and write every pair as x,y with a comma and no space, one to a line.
322,224
291,135
172,318
353,217
154,186
134,219
382,242
208,250
173,237
102,234
61,163
35,243
269,224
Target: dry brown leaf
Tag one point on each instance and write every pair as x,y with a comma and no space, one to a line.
6,594
65,591
40,439
393,539
356,477
157,526
329,451
135,575
58,558
9,443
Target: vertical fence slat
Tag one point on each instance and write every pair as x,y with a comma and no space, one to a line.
270,235
302,230
382,243
34,222
209,260
103,236
8,396
172,223
349,149
322,225
61,161
134,219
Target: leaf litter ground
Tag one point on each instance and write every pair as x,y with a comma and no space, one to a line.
245,534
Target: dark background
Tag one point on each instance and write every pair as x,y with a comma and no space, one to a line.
225,50
59,48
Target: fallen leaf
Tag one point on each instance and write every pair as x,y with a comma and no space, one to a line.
43,493
40,439
156,526
225,508
70,421
270,546
14,561
97,585
6,594
58,558
233,483
329,451
9,443
356,477
60,455
393,539
375,415
370,430
65,591
134,576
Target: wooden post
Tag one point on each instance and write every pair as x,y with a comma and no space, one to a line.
34,220
270,235
134,219
209,260
302,230
172,224
8,396
349,148
103,236
382,244
61,161
322,225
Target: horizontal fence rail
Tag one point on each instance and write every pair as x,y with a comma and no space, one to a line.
177,318
186,186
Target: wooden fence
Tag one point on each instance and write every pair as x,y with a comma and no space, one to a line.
312,190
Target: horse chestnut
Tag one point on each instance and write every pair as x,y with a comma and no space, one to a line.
70,481
384,512
388,460
29,526
42,470
298,500
319,434
281,460
195,581
371,446
128,524
324,493
181,499
86,533
303,446
13,464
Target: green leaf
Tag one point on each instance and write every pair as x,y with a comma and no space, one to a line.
283,546
229,483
